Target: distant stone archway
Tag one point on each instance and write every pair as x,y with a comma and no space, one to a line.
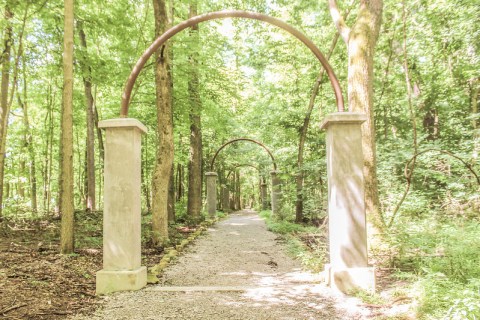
211,178
225,192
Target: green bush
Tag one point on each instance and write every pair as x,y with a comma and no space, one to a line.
444,255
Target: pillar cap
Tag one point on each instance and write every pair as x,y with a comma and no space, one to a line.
343,118
214,174
122,123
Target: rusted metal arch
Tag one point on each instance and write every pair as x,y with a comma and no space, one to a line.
212,163
221,15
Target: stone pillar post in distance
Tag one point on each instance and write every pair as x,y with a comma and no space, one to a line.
263,196
211,193
276,193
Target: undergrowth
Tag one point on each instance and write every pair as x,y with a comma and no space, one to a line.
440,255
305,243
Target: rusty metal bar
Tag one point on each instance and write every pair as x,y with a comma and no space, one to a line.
212,163
221,15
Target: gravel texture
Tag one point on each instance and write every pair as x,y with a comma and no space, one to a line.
237,270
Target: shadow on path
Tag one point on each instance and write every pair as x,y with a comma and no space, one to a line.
237,270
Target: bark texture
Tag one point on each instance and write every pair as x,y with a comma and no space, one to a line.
4,96
66,175
90,203
163,168
194,202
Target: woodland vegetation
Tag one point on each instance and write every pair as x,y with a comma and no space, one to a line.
412,66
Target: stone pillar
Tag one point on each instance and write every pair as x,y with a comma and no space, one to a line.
276,193
225,198
348,269
263,196
121,215
211,193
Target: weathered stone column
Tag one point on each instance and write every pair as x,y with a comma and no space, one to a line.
211,193
276,193
348,268
121,215
263,196
225,197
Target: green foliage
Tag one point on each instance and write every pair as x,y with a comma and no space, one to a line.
303,243
443,254
368,297
221,214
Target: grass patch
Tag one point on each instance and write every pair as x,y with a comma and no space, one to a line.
305,243
442,260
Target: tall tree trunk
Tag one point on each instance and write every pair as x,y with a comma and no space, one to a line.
238,204
66,175
90,194
180,178
4,95
145,178
161,176
194,203
29,141
89,106
474,93
171,197
361,40
101,149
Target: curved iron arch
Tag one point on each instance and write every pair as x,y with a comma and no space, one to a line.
212,163
221,15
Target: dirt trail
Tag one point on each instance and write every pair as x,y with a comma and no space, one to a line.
238,270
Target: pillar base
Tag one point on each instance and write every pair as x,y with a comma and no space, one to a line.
348,280
109,281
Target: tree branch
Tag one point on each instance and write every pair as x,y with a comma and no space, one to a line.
337,18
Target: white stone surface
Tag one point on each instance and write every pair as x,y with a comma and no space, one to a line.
125,280
211,193
121,216
346,202
276,193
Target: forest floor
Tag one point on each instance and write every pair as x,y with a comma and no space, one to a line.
36,282
235,270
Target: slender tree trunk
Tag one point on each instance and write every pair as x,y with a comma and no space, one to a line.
66,189
145,179
4,95
413,116
89,107
171,197
179,185
238,204
194,203
303,136
161,176
361,40
101,148
474,93
29,142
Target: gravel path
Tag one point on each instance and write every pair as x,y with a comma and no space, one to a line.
239,271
